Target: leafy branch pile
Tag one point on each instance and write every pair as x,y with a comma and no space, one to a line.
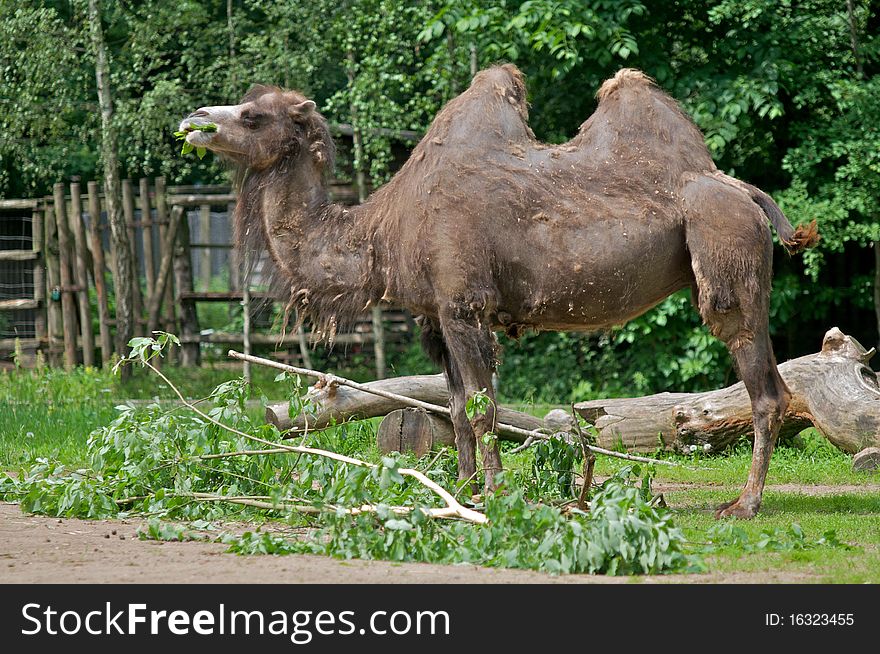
623,534
217,463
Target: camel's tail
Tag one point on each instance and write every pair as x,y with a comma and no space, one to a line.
793,239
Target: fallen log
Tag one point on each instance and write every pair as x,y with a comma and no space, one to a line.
867,460
833,390
337,404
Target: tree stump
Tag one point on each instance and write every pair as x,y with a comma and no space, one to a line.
867,460
413,430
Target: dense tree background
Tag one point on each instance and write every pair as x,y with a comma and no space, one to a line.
786,92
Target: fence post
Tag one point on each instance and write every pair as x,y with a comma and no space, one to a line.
82,275
37,235
98,273
246,308
169,321
204,241
128,214
378,341
53,280
147,231
189,321
68,305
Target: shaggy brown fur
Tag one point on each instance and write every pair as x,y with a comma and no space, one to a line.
485,228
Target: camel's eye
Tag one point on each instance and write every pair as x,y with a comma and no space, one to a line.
252,120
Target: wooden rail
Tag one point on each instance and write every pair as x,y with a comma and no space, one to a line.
19,255
275,339
18,305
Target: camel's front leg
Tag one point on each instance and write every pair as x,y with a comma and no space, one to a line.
470,362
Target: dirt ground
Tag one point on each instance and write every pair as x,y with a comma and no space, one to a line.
37,549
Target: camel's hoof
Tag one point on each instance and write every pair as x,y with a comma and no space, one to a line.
737,509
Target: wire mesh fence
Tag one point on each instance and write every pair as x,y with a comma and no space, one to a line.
16,276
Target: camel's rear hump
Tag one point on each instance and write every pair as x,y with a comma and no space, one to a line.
637,122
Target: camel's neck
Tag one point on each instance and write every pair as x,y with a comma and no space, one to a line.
321,250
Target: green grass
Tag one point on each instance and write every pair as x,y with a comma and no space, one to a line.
853,516
809,460
50,414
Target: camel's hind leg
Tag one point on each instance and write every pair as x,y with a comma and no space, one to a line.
731,255
770,397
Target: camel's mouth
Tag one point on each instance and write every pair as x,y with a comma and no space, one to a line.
199,132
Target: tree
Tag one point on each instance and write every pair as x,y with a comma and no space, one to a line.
125,271
45,111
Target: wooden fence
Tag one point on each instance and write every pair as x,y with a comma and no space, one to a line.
68,274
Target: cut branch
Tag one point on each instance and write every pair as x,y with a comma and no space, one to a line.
264,502
453,507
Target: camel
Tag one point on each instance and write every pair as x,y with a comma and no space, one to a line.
486,229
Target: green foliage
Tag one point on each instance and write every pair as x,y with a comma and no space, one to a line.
836,170
144,348
187,146
728,535
148,462
622,534
554,468
159,530
45,116
478,403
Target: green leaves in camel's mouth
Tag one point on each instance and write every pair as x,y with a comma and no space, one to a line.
189,147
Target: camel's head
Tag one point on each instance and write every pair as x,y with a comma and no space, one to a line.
268,126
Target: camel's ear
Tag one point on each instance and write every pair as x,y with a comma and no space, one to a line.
303,108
